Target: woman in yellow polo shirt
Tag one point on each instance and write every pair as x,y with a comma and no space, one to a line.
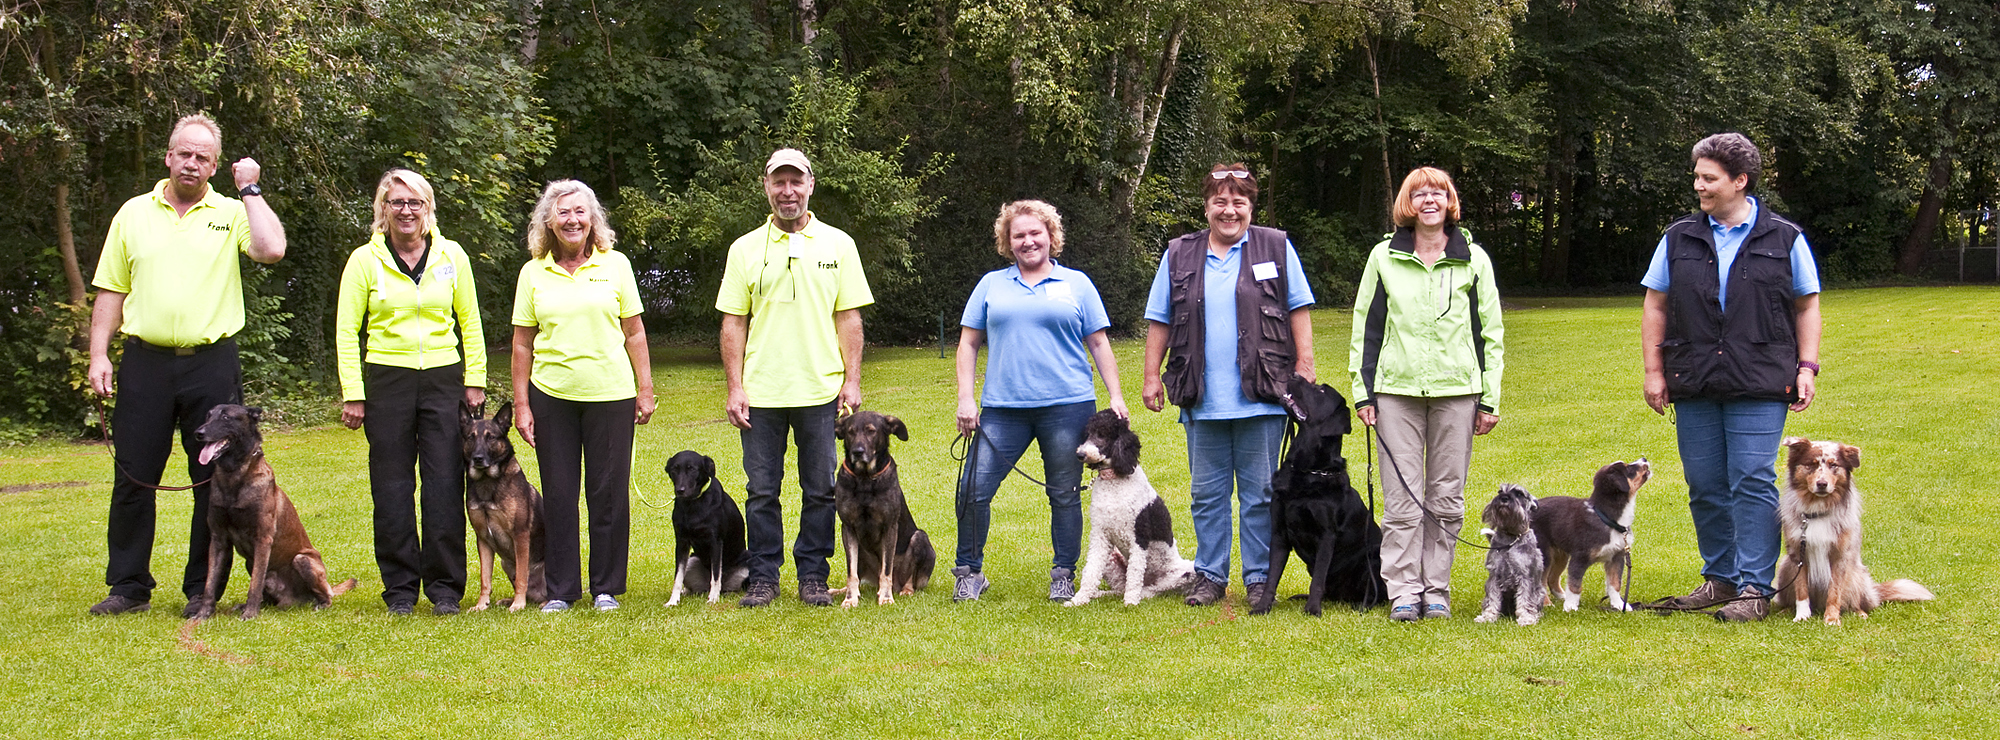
580,360
410,290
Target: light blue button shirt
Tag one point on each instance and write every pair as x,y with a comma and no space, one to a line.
1222,381
1729,241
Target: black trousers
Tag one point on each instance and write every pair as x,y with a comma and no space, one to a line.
412,426
600,434
159,391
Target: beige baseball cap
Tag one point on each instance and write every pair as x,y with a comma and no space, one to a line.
788,158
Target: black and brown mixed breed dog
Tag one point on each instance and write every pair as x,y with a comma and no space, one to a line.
504,509
882,540
1575,533
1315,510
708,530
248,512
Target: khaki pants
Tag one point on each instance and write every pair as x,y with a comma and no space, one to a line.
1428,443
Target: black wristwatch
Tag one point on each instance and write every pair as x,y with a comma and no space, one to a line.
249,190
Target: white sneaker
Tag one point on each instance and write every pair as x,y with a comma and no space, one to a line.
605,603
555,605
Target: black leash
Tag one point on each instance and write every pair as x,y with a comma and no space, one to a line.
967,453
104,427
1435,519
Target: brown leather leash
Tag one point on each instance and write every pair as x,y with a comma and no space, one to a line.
104,427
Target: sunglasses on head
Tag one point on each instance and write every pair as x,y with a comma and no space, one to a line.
1238,174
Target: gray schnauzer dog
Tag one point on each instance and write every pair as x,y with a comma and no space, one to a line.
1514,564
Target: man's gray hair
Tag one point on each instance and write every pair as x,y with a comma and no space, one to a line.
197,119
1736,155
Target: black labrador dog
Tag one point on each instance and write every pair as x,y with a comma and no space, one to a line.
1315,510
708,529
882,540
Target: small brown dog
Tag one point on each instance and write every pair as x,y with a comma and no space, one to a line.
504,509
1575,533
247,511
1820,511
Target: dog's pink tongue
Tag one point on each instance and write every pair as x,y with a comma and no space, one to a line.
211,450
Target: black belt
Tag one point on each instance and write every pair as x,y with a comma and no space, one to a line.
131,342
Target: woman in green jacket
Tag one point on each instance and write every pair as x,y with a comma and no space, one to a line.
1426,360
410,291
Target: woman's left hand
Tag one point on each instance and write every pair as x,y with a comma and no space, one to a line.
642,410
1485,423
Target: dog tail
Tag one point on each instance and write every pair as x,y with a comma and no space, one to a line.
343,586
1903,589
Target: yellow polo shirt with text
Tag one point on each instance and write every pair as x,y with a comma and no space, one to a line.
579,339
182,282
790,285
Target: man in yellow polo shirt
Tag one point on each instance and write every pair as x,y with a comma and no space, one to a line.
791,350
168,280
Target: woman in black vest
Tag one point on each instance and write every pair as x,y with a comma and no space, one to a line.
1730,333
1227,382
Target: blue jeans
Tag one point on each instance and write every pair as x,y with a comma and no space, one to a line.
1728,452
1003,437
1247,451
764,472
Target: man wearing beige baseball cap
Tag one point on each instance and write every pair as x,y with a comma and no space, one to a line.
791,350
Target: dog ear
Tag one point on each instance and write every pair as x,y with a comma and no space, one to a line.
1850,456
840,426
505,416
707,467
1799,447
897,428
1619,478
465,417
256,413
1124,453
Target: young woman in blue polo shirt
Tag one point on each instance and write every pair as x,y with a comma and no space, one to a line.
1042,325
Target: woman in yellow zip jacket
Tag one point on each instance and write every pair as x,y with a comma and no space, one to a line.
409,294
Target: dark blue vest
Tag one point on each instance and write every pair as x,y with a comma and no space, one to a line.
1750,350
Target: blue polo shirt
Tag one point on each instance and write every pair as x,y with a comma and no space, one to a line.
1035,355
1222,381
1729,241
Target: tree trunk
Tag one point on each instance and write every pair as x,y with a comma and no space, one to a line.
1141,110
1916,248
808,15
531,30
1558,211
1382,129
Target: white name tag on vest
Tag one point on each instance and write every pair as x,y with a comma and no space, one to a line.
446,271
1264,270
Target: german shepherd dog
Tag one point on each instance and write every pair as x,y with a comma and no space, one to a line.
1575,533
247,511
1820,512
708,530
883,542
504,509
1315,510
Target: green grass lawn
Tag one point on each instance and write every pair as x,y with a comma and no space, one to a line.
1910,378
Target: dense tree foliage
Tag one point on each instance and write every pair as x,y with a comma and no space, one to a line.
1566,122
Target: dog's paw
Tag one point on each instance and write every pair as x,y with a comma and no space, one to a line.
1487,617
517,606
1833,620
479,607
852,600
884,600
1527,620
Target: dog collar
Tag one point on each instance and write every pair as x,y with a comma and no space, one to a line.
1813,516
1608,521
845,468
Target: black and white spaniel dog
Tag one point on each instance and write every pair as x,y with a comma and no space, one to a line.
1131,533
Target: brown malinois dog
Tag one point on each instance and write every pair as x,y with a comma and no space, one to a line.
504,509
248,511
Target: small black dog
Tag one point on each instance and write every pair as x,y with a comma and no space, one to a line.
1514,564
1575,533
883,542
706,521
1315,510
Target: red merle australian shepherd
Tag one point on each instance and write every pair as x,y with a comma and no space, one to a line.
1820,511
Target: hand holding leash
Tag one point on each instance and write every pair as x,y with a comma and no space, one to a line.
100,375
968,417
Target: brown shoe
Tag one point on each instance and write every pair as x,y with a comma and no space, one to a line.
1709,593
1204,592
1750,606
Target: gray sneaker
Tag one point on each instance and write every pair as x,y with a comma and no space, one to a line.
1204,592
970,585
554,605
606,603
1255,594
813,593
1437,611
1062,584
1750,606
758,593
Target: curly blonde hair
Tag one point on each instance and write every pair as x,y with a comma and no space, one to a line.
1002,226
542,235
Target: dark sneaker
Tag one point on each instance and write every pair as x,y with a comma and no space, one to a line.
1750,606
1204,592
1437,611
969,584
445,609
1710,593
1257,593
758,593
1062,584
115,604
402,608
813,593
1403,613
